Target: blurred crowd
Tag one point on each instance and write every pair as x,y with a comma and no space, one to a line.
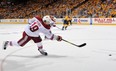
59,8
97,9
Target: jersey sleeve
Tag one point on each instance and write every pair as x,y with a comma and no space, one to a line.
50,35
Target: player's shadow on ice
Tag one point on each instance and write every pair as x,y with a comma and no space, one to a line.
39,56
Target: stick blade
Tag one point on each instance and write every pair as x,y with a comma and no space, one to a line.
82,45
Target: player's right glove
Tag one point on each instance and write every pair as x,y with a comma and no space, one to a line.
59,38
54,25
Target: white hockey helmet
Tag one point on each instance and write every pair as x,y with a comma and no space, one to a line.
50,20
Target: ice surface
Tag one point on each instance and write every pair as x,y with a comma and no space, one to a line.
101,41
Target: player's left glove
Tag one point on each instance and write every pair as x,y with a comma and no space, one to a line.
59,38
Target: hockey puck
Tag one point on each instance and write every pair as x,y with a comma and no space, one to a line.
110,54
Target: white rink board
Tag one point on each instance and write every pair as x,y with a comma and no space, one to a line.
104,21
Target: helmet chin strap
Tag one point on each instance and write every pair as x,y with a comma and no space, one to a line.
49,23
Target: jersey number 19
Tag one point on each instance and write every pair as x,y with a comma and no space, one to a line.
34,27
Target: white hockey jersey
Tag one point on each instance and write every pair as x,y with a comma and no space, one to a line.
37,26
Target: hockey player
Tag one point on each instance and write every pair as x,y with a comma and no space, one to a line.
70,20
65,23
36,25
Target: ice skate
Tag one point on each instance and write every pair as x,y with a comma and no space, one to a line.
66,28
5,45
43,52
63,28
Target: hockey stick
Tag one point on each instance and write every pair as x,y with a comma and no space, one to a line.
58,27
81,45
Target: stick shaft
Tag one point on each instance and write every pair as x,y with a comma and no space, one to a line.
81,45
69,42
58,27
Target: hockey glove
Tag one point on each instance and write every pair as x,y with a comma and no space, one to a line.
59,38
54,25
